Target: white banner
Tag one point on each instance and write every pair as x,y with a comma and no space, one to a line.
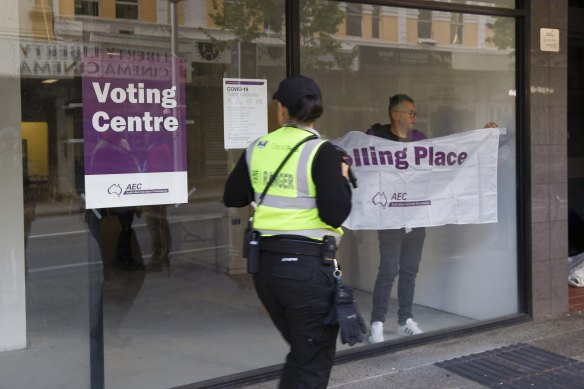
444,180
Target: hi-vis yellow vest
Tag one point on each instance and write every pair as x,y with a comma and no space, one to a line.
289,206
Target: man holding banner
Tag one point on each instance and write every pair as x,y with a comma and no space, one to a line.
400,250
401,237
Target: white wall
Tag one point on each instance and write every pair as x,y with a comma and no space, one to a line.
472,270
12,286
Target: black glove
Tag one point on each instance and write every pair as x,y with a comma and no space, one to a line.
345,159
345,313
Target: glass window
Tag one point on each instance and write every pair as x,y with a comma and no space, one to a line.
87,7
375,21
157,295
425,24
354,19
274,17
455,91
136,296
484,3
456,29
127,9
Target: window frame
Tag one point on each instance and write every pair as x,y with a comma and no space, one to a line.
376,22
127,4
457,28
424,24
354,20
83,4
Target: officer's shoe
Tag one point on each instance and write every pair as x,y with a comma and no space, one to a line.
410,327
376,332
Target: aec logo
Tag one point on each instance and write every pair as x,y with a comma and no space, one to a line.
115,189
130,189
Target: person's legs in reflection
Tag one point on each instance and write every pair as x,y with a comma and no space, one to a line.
93,218
29,209
159,230
298,297
94,223
389,256
410,257
124,256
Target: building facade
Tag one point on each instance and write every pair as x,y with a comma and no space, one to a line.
82,305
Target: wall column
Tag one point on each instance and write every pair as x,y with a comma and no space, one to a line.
549,176
12,283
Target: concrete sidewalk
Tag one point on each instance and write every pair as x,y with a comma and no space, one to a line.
413,368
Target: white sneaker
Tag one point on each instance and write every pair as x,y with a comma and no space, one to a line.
376,332
410,328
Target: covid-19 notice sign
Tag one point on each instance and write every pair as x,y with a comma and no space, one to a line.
134,132
245,111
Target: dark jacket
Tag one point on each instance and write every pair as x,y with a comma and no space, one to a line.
384,131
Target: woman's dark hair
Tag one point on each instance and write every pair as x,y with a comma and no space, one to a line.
307,109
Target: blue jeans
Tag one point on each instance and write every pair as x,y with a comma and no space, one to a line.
399,254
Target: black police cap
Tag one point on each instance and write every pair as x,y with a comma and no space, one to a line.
292,89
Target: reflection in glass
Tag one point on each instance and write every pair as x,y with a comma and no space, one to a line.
164,282
127,9
455,90
87,7
425,24
456,28
181,319
354,20
375,19
487,3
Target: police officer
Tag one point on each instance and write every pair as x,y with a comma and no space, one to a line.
308,200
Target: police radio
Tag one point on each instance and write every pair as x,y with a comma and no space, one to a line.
251,249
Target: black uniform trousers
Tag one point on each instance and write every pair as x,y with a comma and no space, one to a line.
298,291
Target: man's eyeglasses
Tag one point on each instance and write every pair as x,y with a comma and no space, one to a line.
410,113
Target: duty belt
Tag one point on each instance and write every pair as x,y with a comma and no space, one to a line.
292,246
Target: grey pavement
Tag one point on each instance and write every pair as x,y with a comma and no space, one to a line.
414,368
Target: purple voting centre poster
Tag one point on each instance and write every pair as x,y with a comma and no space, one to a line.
134,131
